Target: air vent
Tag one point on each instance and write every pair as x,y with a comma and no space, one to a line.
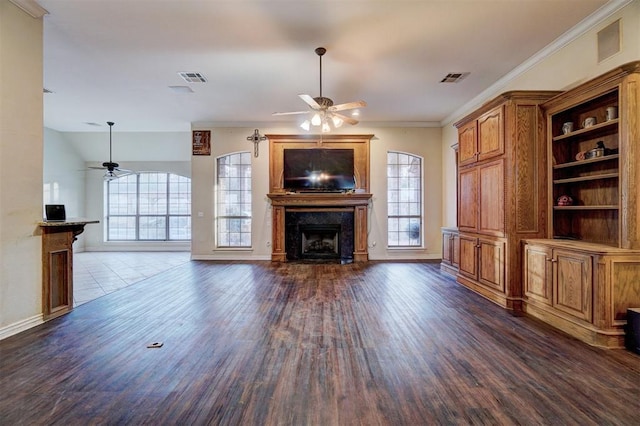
609,41
45,90
454,77
192,77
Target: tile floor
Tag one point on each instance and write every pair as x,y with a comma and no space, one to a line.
98,273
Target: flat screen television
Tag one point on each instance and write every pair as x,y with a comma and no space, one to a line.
318,170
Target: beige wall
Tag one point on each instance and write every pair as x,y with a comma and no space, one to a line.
574,63
20,169
424,142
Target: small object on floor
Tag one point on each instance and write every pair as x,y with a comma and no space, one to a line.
155,345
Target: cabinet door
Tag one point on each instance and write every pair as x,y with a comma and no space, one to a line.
491,266
573,283
491,198
468,256
467,146
537,273
455,250
468,200
446,247
491,134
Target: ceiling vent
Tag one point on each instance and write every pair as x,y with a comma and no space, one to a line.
454,77
192,77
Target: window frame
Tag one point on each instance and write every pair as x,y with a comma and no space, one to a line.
239,217
167,216
409,217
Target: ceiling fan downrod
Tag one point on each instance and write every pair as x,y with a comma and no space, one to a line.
110,123
320,51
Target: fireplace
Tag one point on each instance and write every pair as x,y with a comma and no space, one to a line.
292,210
320,234
319,242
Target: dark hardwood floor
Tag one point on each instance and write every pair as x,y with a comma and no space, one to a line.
305,344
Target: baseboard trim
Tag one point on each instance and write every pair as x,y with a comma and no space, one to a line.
20,326
229,258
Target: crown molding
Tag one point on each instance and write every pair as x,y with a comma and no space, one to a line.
31,7
578,30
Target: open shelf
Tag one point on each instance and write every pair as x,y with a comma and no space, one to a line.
585,162
609,207
587,178
593,129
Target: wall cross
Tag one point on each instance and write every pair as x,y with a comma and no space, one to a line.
256,138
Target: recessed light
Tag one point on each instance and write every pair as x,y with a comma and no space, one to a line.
181,89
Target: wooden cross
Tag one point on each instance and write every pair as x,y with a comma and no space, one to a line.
256,138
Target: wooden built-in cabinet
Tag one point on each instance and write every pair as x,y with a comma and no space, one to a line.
582,288
587,273
482,138
450,251
501,162
482,260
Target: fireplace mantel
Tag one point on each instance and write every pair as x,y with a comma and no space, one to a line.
319,199
358,203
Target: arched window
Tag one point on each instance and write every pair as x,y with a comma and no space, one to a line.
233,200
149,206
404,200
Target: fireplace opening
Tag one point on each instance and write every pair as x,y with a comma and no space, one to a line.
320,241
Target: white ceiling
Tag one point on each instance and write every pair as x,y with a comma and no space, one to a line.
114,60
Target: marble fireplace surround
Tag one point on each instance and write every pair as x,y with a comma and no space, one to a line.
340,219
350,210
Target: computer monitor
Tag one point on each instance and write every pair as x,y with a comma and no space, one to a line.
55,213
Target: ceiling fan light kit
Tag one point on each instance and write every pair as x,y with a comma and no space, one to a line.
325,112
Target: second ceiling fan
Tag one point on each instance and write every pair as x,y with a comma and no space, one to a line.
323,109
112,170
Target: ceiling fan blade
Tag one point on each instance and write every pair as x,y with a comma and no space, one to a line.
125,171
291,113
345,118
96,168
310,101
348,105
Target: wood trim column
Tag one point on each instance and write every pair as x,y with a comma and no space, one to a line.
278,252
360,252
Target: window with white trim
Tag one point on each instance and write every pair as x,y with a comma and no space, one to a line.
149,206
404,200
233,200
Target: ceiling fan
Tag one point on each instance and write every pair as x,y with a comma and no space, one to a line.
113,170
323,109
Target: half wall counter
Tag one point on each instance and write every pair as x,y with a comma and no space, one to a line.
57,265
